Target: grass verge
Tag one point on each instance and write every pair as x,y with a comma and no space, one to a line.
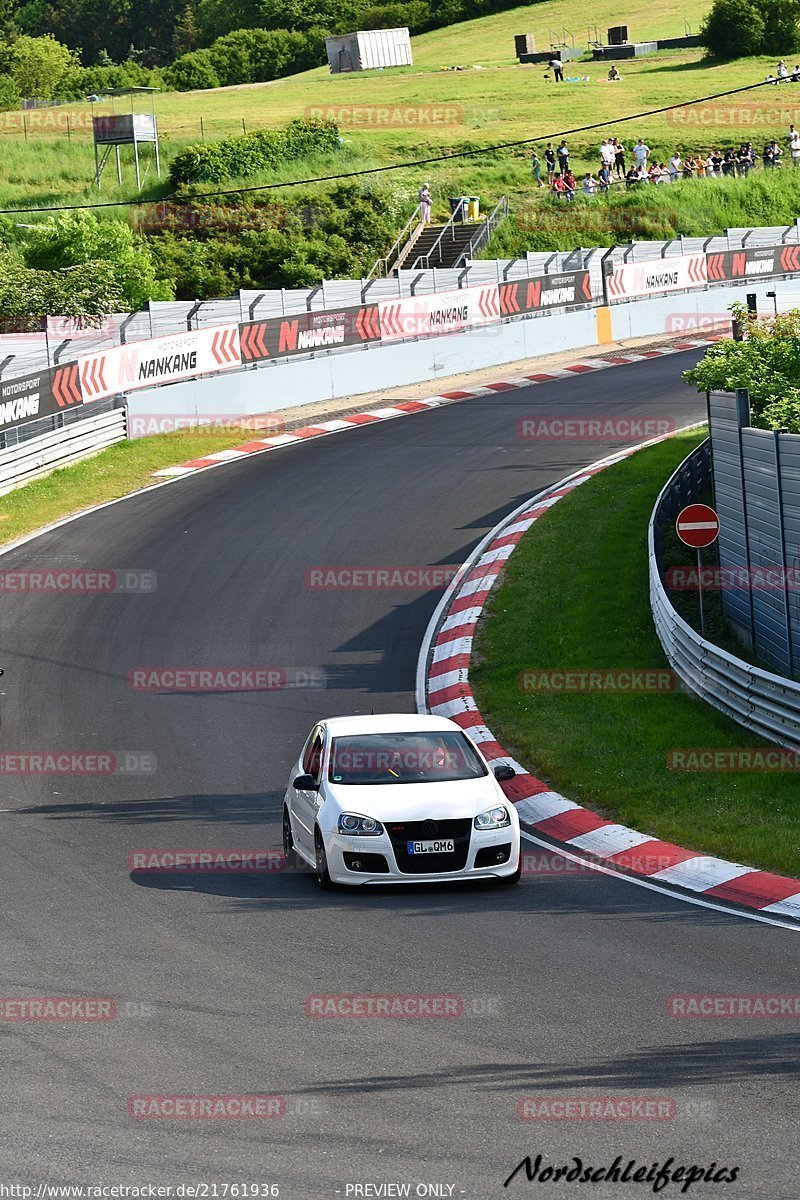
111,473
575,597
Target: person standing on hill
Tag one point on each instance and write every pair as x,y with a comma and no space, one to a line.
424,196
536,167
619,158
550,160
563,157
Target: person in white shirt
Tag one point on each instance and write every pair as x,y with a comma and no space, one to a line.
675,167
641,152
783,70
794,148
589,184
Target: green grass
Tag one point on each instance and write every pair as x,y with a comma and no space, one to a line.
575,597
111,473
432,109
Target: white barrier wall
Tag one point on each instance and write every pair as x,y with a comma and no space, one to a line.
663,316
354,372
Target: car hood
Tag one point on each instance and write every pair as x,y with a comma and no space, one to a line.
418,801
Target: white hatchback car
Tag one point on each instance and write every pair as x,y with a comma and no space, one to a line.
398,798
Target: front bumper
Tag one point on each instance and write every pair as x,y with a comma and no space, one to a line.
342,851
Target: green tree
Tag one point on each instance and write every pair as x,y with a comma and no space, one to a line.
192,72
39,66
73,238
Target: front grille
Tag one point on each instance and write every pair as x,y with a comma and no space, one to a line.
402,832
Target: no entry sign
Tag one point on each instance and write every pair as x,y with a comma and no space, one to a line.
697,526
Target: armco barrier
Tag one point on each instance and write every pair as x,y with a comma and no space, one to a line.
59,447
767,704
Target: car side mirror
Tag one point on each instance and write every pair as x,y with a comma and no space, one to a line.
504,772
305,783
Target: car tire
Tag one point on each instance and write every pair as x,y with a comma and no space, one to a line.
289,852
322,873
508,880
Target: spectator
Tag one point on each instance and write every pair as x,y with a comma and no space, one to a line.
569,184
563,157
604,178
777,153
716,161
607,154
796,74
689,166
783,71
424,196
536,166
663,173
675,167
710,165
641,153
633,177
699,165
557,67
613,74
794,148
743,160
768,156
654,174
729,162
550,160
589,184
619,158
557,187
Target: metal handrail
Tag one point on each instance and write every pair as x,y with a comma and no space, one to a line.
381,265
761,701
437,245
486,229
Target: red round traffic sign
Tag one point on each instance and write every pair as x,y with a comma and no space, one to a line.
697,525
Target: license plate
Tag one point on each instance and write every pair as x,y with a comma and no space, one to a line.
442,846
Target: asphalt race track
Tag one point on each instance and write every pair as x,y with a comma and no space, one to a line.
564,979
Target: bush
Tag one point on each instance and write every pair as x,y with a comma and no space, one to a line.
238,157
192,72
128,74
70,239
41,67
258,55
9,93
89,290
767,362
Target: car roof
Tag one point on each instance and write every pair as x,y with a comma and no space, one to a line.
389,723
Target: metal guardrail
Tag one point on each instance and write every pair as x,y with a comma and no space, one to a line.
765,703
61,446
486,229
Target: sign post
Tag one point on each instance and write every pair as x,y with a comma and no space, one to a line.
697,526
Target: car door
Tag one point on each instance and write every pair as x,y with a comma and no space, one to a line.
306,802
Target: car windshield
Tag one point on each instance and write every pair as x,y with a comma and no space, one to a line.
438,757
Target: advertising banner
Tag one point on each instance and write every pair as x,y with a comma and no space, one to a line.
159,360
439,312
657,275
28,397
566,290
303,333
753,262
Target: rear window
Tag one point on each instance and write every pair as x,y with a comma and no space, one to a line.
404,758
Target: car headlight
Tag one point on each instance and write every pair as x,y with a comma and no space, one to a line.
353,824
494,818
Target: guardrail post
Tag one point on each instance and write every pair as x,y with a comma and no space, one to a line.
59,350
123,329
8,358
743,419
198,304
254,305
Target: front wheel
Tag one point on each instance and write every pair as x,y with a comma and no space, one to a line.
324,880
289,852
